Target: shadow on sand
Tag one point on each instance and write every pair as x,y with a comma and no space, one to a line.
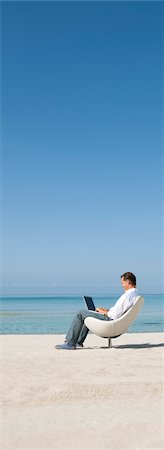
138,346
147,345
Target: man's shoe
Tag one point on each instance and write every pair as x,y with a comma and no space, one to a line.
79,346
65,346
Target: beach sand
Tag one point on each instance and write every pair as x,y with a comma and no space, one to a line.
91,398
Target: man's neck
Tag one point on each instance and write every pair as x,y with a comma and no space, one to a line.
130,287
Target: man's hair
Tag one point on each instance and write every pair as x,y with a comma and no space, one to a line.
128,276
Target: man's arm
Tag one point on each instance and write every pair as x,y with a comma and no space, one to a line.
102,311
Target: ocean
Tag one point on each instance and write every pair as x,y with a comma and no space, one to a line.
53,314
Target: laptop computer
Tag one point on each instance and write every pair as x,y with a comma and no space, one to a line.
89,303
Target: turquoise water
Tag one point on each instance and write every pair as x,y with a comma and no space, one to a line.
53,315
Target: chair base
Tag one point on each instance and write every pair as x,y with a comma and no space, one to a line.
109,342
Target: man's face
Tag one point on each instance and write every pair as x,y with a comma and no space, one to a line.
125,284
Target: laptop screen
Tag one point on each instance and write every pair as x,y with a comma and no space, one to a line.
89,303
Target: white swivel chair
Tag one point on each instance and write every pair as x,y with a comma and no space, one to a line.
114,328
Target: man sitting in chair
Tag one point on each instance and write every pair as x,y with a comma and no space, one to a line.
78,331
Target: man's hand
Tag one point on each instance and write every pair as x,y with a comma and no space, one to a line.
102,311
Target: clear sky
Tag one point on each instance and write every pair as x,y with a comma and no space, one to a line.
82,146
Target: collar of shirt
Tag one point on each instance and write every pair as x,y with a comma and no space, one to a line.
131,290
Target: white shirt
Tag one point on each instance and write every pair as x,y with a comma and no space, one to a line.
123,303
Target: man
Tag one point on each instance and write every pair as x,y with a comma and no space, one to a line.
78,331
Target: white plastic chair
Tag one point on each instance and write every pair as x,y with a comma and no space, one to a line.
114,328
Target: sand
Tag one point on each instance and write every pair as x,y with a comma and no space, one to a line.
91,398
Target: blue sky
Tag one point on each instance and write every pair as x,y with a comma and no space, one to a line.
82,146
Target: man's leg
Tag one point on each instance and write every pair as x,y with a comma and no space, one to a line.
78,331
84,330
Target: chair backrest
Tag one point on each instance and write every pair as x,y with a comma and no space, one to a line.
125,321
116,327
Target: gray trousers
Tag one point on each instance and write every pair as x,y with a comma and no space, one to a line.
78,331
